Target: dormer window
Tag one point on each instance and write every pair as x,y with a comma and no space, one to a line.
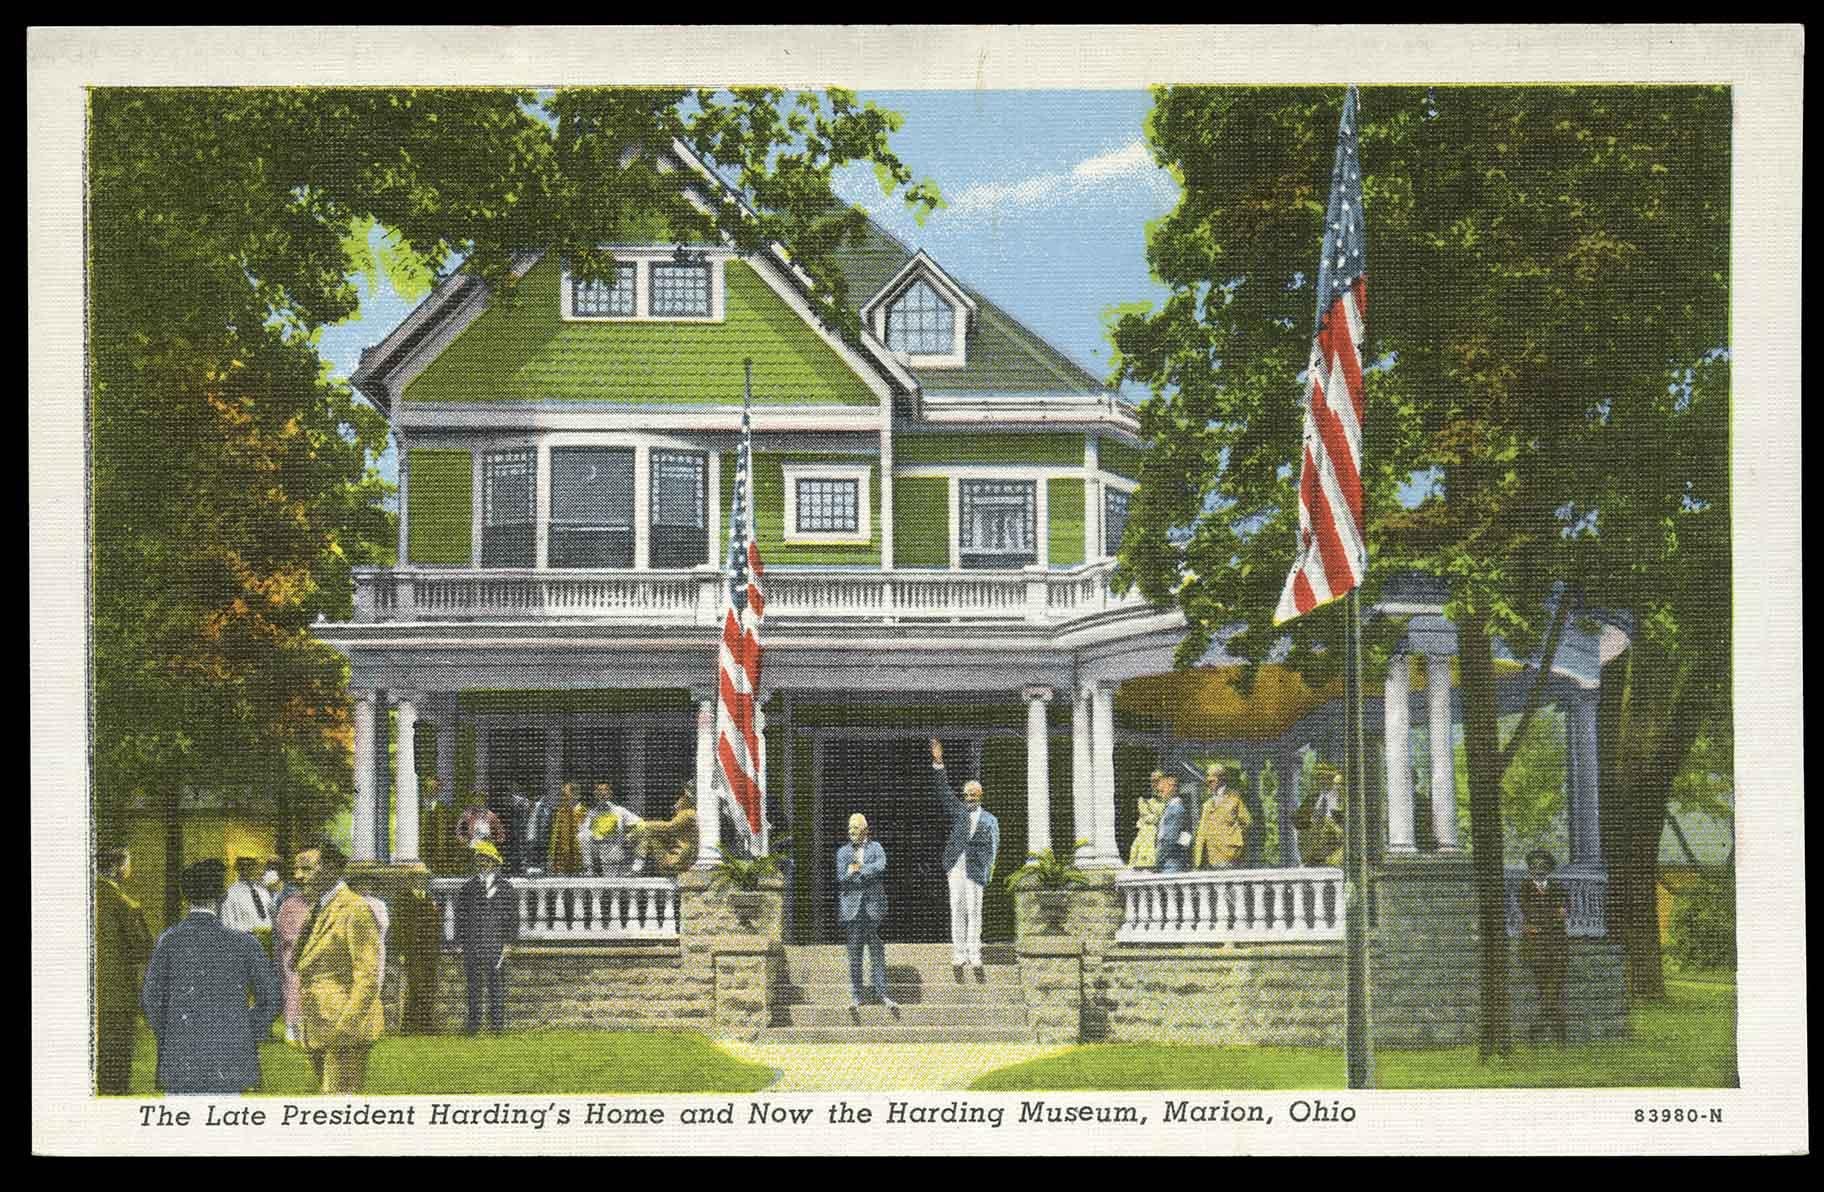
680,291
605,300
650,285
919,323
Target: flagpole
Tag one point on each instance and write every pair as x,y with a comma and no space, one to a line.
1358,1046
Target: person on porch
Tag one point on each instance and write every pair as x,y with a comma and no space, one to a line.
1319,824
670,846
1545,941
861,903
1173,842
1222,833
566,849
607,836
975,838
1144,852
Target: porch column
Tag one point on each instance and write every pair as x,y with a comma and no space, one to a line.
1103,854
1081,780
405,780
361,843
1580,758
1038,770
1398,708
446,754
709,820
1443,754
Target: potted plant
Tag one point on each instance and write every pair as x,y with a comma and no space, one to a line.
1050,878
740,880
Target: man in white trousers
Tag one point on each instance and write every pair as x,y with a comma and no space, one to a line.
975,837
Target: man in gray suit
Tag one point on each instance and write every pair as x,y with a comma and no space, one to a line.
196,991
975,837
861,903
1174,851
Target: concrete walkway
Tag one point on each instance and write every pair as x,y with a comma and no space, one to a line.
882,1067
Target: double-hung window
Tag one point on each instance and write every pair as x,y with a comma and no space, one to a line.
591,507
998,523
680,291
680,508
509,508
1114,519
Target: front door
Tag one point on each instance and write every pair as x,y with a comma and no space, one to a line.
889,781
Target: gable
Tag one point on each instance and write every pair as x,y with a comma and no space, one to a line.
522,350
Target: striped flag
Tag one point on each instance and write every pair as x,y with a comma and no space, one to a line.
738,755
1332,542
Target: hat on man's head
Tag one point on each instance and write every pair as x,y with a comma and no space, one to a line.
1540,854
482,848
203,881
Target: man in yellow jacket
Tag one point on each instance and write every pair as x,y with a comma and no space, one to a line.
1222,832
338,966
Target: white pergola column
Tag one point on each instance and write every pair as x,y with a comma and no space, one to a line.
446,754
1398,708
405,780
1038,770
361,844
1081,780
1103,854
709,820
1443,754
1585,819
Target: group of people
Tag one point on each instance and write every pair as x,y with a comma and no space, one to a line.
563,833
968,865
213,984
1164,838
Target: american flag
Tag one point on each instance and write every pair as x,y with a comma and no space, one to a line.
738,753
1332,545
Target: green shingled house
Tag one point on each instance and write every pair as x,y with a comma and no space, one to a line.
937,507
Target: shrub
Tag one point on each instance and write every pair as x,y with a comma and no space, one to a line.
1702,929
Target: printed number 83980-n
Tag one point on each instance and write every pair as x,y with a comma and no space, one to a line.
1678,1114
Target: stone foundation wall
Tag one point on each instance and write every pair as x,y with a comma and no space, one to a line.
1090,924
1288,994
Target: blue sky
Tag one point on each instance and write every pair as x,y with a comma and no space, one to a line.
1049,194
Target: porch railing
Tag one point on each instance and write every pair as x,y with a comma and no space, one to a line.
1221,906
695,597
1589,895
577,909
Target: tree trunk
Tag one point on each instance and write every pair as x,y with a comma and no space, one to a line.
1482,743
174,847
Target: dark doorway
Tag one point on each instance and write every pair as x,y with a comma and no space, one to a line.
889,781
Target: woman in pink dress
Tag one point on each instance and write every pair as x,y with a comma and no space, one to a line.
287,925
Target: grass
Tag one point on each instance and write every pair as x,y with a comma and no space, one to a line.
542,1062
1688,1041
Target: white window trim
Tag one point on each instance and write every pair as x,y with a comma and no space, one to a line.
959,315
861,474
641,260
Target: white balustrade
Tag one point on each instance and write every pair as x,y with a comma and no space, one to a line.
578,909
1230,906
1589,897
695,597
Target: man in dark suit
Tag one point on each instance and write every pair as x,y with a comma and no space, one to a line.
861,903
1545,942
975,838
122,945
196,991
487,919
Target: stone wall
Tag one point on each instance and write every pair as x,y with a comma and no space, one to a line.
1091,922
1289,994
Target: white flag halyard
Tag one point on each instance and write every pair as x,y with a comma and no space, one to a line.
739,763
1332,542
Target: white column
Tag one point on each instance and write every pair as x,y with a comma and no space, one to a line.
1585,821
446,754
886,487
541,506
1038,770
1398,709
709,819
1103,854
405,780
1081,780
1443,754
366,797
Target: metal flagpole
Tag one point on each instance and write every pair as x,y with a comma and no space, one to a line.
1358,1046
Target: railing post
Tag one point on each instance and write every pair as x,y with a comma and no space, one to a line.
1038,593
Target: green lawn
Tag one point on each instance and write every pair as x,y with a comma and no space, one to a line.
1687,1042
545,1062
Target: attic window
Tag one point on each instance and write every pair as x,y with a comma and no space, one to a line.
919,323
605,300
680,291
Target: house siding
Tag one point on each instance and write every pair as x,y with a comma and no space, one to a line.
1064,521
921,521
439,505
1118,458
769,511
1058,450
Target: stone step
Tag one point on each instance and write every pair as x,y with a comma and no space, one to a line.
944,993
870,1033
1004,1017
931,967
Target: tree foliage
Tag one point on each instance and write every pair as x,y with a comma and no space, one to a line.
234,481
1548,287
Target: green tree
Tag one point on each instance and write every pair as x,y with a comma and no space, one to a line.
1542,263
234,482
